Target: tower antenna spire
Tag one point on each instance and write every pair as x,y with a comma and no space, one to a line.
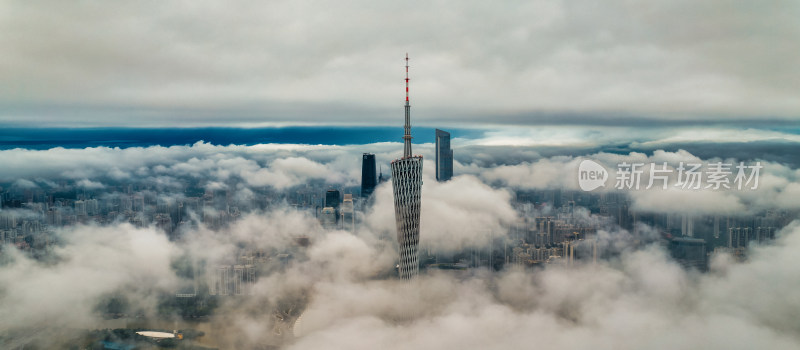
407,127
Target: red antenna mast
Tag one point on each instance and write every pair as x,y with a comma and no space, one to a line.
406,76
407,134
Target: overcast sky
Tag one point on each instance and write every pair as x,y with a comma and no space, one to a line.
191,63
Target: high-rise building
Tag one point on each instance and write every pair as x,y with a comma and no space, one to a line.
243,279
689,252
368,176
164,222
557,198
327,217
332,199
232,280
348,219
80,208
220,278
444,156
407,188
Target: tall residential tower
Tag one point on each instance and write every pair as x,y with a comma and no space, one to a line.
444,156
368,177
407,187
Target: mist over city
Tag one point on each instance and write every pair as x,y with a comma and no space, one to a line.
295,175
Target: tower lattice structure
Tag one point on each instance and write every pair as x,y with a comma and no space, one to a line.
407,187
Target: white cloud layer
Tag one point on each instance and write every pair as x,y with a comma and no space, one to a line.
640,300
281,167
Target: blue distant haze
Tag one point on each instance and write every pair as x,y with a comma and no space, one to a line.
46,138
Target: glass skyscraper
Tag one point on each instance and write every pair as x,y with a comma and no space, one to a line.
333,198
368,175
444,156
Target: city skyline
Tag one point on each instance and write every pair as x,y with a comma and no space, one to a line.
581,175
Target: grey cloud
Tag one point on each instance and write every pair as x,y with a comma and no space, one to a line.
90,185
299,62
24,184
460,214
644,299
775,181
93,261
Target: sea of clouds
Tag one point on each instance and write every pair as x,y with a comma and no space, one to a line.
639,299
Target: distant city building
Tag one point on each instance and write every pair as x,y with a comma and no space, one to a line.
543,233
164,222
368,175
444,156
739,237
92,207
333,199
764,234
219,281
687,225
126,204
80,208
348,213
54,217
689,252
232,280
138,203
328,217
244,277
557,198
407,188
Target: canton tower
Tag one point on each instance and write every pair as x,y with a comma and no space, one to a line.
407,186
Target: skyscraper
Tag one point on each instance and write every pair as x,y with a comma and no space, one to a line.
444,156
689,252
348,213
407,187
327,217
332,199
368,178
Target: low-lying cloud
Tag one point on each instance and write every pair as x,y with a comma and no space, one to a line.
637,298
